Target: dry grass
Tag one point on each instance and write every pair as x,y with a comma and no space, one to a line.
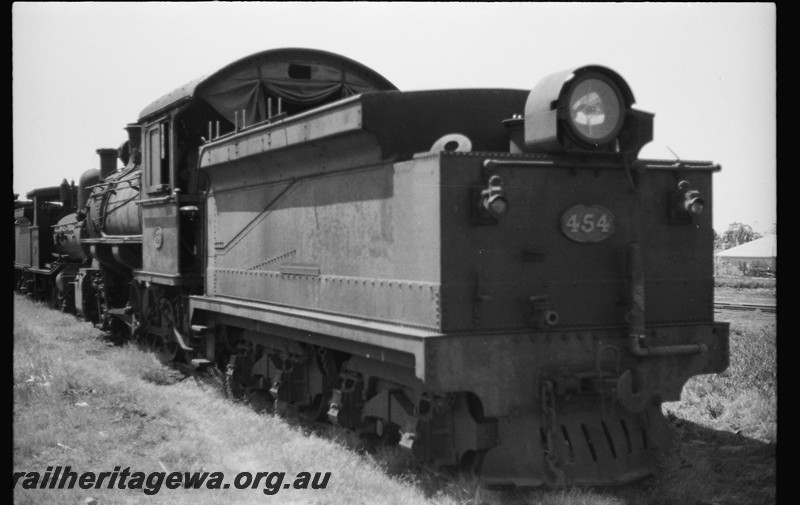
727,423
82,401
743,399
742,282
141,414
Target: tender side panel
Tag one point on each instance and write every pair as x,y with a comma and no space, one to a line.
318,228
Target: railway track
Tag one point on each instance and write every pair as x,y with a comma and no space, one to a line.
771,309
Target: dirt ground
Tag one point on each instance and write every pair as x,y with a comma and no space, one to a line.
722,468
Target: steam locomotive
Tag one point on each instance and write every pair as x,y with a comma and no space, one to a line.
490,278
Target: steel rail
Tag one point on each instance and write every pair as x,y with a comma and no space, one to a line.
746,306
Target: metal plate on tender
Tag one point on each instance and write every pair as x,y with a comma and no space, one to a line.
588,223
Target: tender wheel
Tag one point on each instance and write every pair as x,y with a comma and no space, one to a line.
166,351
386,435
318,409
120,331
149,342
234,389
169,321
65,304
324,372
54,299
149,308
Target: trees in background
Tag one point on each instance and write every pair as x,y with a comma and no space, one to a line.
736,235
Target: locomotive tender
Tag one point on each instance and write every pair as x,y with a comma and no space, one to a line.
491,278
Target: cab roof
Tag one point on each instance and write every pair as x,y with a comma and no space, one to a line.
304,78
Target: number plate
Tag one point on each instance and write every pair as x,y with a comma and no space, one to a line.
587,223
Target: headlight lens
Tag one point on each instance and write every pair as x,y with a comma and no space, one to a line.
493,203
497,205
595,111
694,203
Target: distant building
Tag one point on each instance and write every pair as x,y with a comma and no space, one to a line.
757,258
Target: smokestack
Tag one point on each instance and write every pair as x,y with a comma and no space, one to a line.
65,195
130,152
108,162
88,178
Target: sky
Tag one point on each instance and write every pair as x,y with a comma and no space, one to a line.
83,71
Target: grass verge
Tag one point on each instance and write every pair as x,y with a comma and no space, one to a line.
83,401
